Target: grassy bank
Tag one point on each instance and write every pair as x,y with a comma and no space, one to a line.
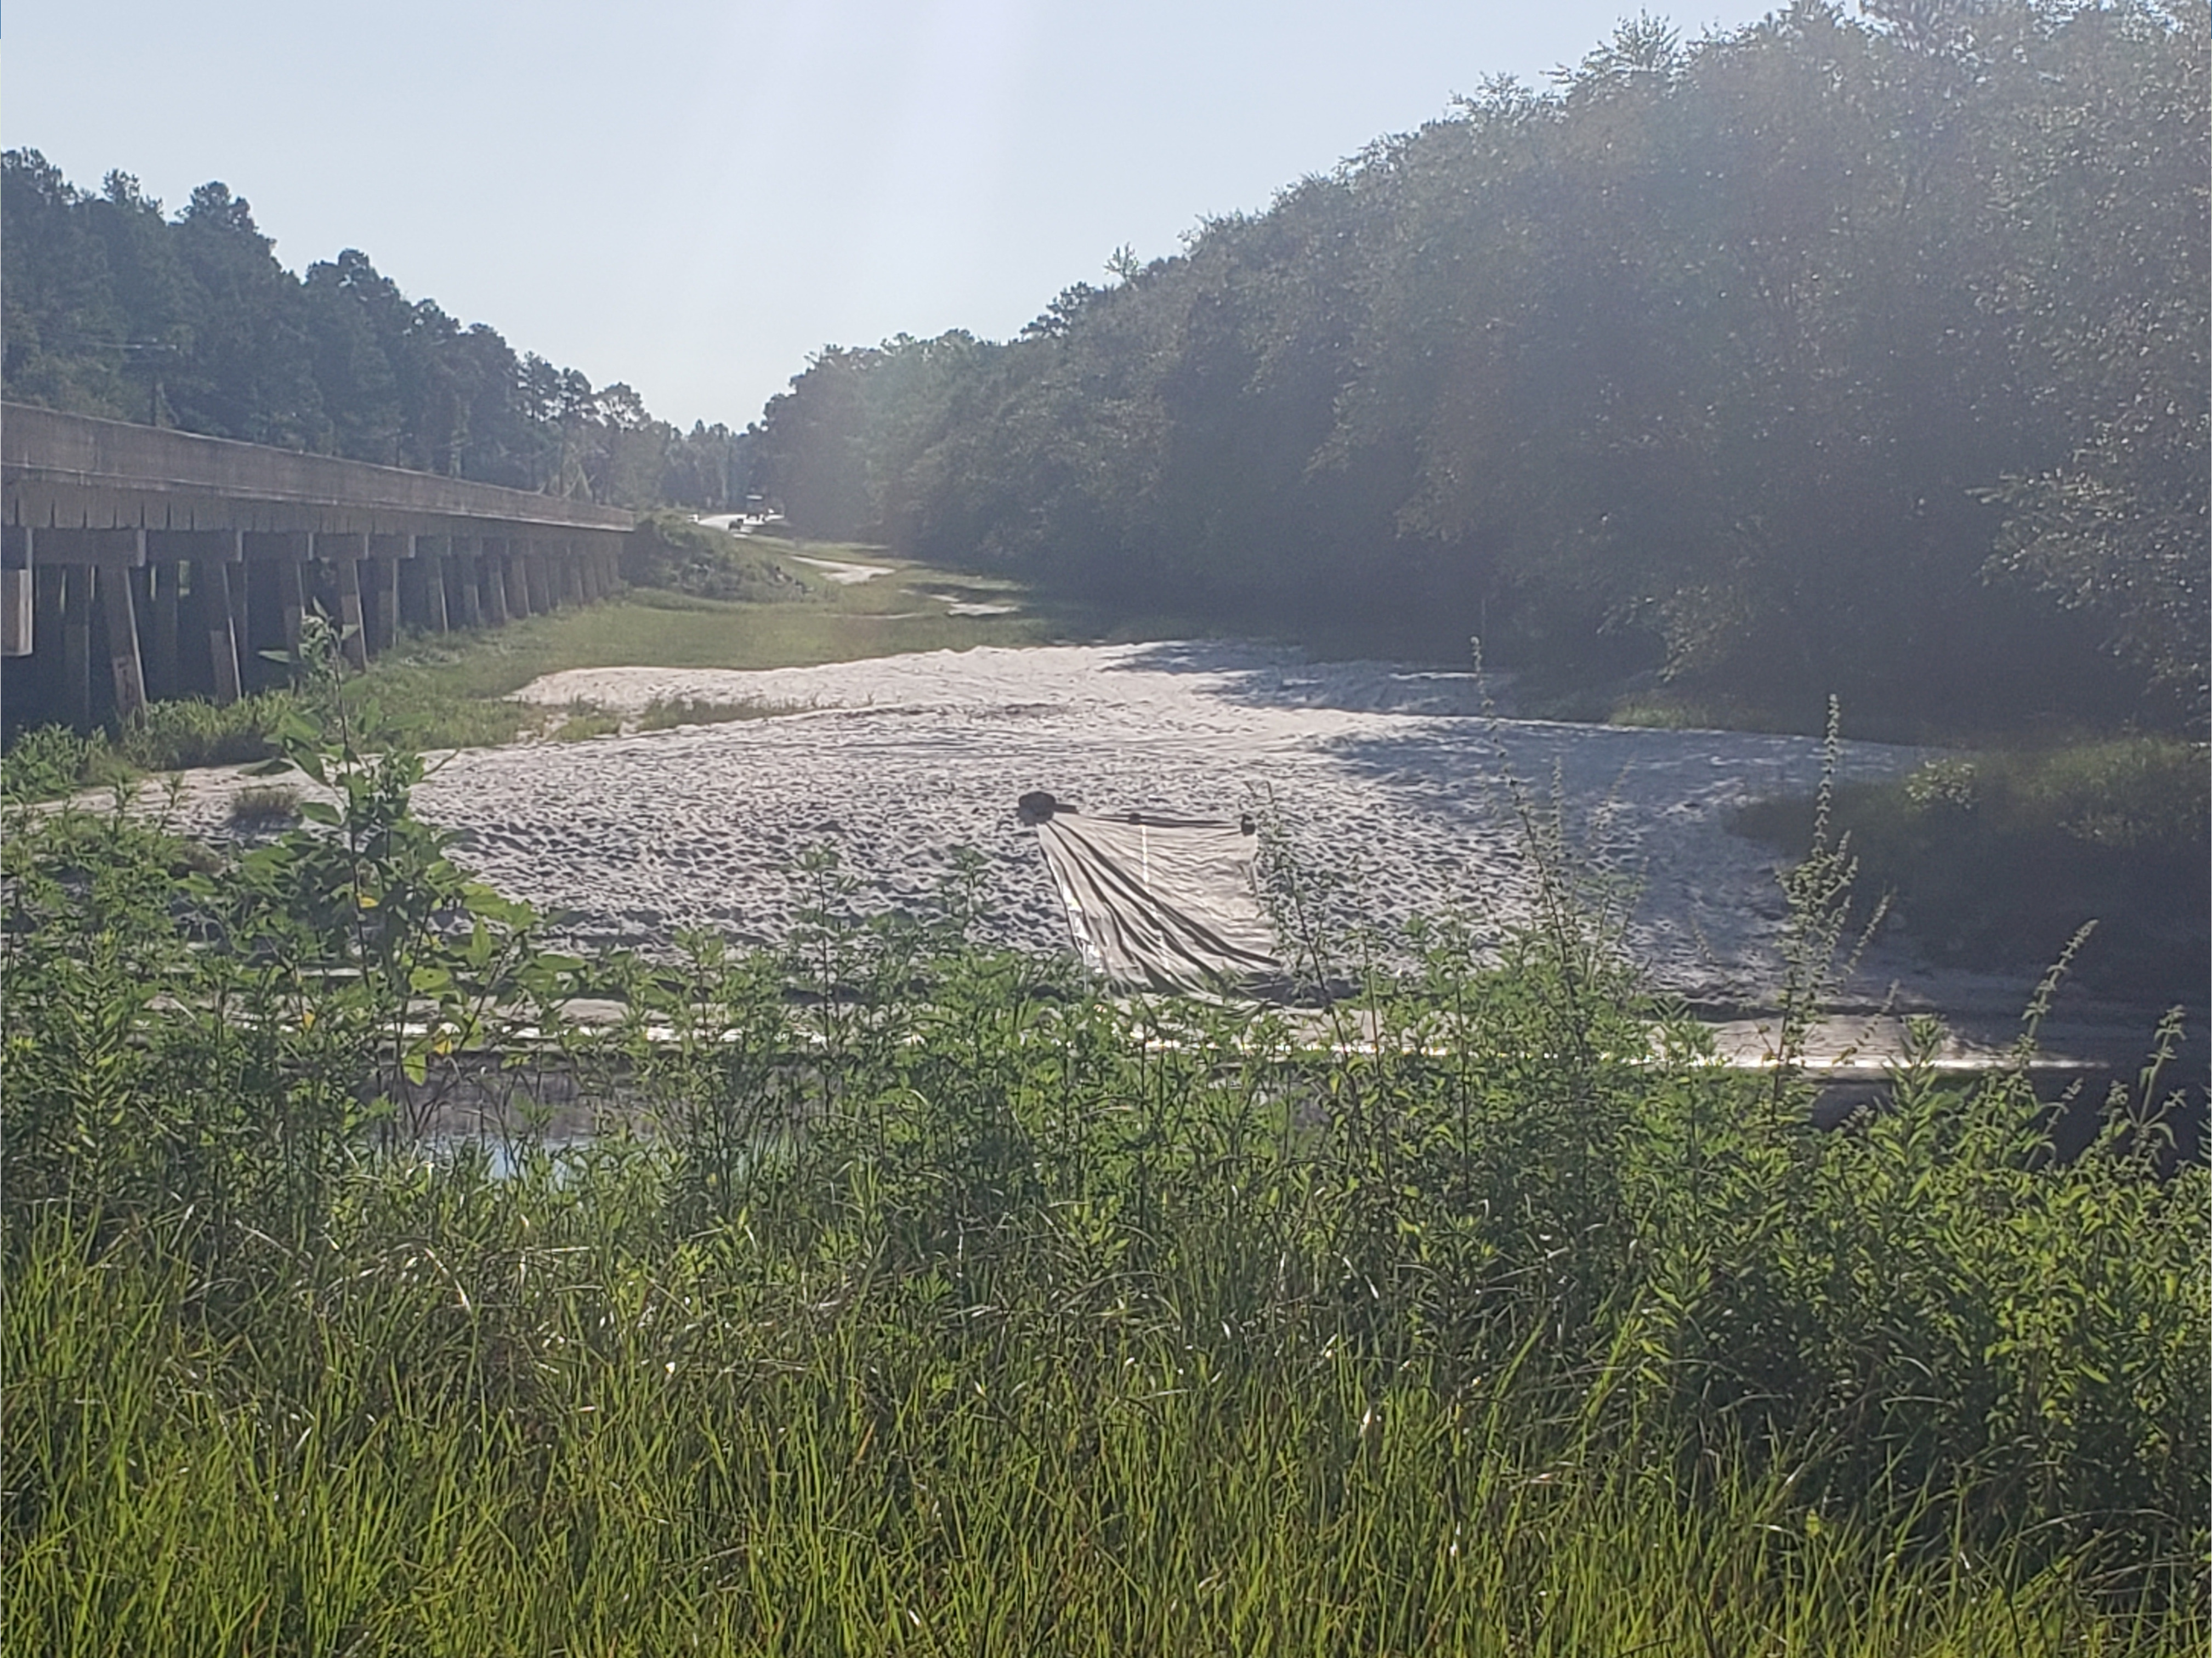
945,1304
449,693
1996,857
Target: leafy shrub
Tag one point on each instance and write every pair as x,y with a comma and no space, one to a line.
46,762
265,803
668,550
178,736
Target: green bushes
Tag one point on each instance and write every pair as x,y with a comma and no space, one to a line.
176,736
670,549
940,1301
46,762
49,761
1997,858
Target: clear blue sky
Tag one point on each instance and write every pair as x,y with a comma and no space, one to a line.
691,194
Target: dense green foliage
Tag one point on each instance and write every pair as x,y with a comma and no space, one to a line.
1835,355
950,1303
111,308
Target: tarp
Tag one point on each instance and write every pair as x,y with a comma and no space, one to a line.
1169,902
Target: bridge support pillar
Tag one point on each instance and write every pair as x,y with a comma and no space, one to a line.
47,582
211,582
47,611
241,612
76,646
541,598
292,601
388,555
467,577
491,582
164,578
353,644
18,616
130,672
17,625
439,613
423,602
345,552
514,567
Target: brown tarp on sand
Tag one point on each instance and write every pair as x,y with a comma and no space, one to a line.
1169,902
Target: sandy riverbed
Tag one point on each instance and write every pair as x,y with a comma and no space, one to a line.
1395,779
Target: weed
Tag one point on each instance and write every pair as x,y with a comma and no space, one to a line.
663,714
583,720
46,762
178,736
263,804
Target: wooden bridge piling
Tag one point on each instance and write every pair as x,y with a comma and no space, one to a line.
123,663
164,580
468,581
211,581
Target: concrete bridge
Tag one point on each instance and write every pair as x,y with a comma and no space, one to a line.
177,559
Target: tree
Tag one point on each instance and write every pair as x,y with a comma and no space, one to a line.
111,308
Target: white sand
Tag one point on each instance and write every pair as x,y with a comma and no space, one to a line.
1393,778
843,573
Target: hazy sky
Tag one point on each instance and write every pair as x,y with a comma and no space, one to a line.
691,194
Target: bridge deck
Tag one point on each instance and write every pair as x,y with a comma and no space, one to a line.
73,473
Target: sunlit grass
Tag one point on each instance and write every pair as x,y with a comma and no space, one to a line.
663,714
448,692
523,1418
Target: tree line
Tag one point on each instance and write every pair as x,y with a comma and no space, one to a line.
1863,355
115,307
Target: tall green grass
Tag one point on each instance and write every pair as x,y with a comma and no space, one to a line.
935,1302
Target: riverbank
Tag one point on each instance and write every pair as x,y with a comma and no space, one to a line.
916,1287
